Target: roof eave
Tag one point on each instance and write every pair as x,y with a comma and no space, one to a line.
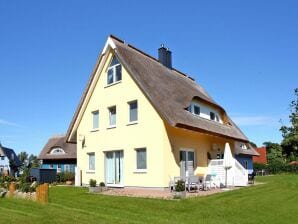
188,127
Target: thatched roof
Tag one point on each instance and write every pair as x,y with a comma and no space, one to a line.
58,142
11,155
250,150
168,90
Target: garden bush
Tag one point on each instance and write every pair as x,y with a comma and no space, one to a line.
65,176
92,183
6,180
180,186
276,167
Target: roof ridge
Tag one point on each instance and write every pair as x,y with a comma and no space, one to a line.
150,56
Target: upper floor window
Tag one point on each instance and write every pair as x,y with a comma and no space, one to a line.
112,116
243,146
95,119
57,151
133,111
212,116
195,109
114,71
216,117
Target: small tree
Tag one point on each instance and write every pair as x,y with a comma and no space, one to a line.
290,133
274,152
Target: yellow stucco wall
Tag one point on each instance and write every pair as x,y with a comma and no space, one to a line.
180,139
148,132
162,142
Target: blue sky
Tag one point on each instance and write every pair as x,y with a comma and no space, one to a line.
244,53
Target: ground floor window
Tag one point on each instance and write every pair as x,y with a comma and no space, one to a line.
67,168
91,161
141,158
245,164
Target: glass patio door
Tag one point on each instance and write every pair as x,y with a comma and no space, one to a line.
114,168
187,162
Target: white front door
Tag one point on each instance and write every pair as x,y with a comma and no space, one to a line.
187,159
114,168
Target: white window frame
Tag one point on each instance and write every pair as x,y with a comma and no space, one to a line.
67,168
110,115
192,108
89,157
245,163
114,70
93,114
129,111
195,156
57,151
141,170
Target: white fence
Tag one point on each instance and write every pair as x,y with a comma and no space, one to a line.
237,175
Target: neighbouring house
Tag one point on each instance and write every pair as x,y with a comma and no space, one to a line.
59,155
262,158
141,122
245,157
9,161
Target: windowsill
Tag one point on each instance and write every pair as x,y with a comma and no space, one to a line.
111,127
132,123
112,84
95,130
90,172
140,171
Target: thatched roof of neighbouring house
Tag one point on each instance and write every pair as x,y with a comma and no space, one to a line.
58,142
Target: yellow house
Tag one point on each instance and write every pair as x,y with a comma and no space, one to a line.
140,123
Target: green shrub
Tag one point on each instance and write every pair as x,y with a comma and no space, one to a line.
24,187
259,166
275,167
92,183
180,186
102,184
65,176
6,180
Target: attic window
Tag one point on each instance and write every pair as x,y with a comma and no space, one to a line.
243,146
57,151
216,117
212,116
114,72
194,109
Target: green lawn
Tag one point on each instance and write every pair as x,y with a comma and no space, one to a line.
276,201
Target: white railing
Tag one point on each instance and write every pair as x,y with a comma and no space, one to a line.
216,162
237,175
241,174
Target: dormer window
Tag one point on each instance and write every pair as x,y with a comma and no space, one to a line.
114,71
57,151
194,109
205,111
216,118
243,146
212,116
